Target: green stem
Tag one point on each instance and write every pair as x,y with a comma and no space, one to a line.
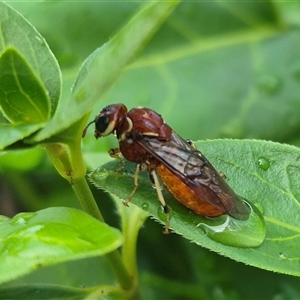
67,159
89,205
132,220
86,198
125,280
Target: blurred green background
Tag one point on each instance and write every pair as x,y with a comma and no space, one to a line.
215,69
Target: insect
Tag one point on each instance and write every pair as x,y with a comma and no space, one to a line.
145,139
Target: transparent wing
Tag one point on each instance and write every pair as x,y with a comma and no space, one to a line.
192,167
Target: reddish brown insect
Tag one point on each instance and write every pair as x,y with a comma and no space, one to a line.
145,139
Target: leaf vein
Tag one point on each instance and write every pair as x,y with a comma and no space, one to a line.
282,224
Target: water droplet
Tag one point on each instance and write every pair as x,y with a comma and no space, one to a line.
22,218
263,163
145,206
164,216
236,233
17,221
268,84
214,229
161,214
282,255
259,205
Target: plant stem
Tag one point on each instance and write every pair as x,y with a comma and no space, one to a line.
67,159
89,205
132,219
86,198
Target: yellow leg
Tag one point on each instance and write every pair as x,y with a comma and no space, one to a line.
115,153
138,169
161,200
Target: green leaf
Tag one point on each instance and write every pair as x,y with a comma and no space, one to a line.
18,34
23,98
219,64
105,65
42,291
224,229
20,161
132,219
11,133
265,173
56,292
32,240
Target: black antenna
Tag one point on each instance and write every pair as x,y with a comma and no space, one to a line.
86,128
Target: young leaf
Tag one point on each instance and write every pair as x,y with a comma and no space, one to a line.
105,65
23,98
10,133
32,240
264,173
17,33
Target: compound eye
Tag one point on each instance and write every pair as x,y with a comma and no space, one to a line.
102,123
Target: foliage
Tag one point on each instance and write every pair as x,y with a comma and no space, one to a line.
213,70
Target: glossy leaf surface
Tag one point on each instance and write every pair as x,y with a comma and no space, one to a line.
271,187
23,98
32,240
17,33
30,78
11,133
102,68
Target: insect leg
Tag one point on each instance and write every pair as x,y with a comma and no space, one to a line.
138,169
161,199
116,153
